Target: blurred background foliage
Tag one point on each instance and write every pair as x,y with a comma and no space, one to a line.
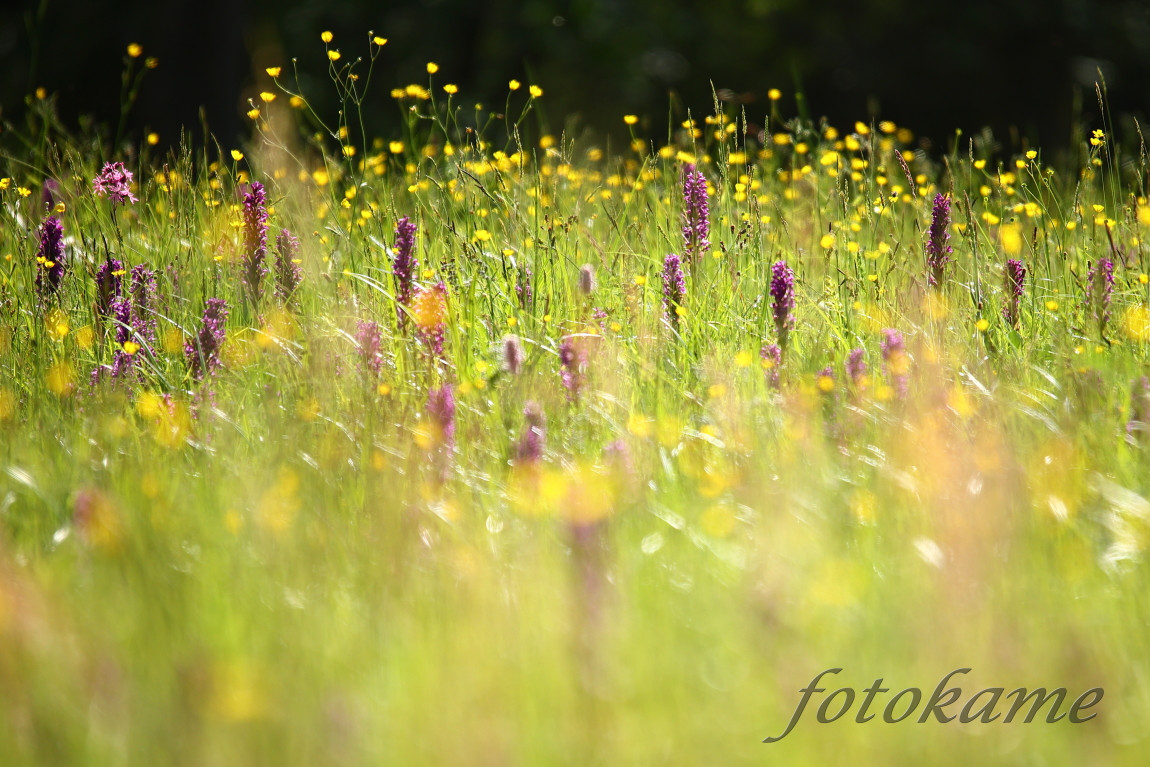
1025,68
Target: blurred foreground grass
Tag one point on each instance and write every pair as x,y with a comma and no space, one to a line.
305,557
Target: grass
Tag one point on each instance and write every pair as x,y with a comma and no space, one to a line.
302,558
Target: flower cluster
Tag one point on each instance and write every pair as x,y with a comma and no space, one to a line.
512,354
523,291
696,225
123,359
856,368
368,337
115,183
1100,283
1014,284
572,366
143,293
772,361
782,300
255,240
289,275
108,285
50,257
937,248
530,447
441,412
429,310
404,265
674,288
896,363
586,279
203,351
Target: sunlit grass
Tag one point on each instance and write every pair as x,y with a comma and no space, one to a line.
373,534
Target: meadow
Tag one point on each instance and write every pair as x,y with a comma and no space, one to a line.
481,444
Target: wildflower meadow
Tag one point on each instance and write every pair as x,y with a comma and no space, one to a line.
480,442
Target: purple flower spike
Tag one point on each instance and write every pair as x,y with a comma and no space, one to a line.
856,368
288,272
512,354
674,288
441,411
405,265
50,256
143,292
937,250
530,447
108,285
523,287
1014,279
572,367
587,279
203,351
772,357
121,313
696,226
783,300
368,337
255,240
896,363
1100,283
115,183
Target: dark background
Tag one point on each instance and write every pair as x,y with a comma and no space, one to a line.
1026,68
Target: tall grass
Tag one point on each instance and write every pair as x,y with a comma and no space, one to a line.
635,544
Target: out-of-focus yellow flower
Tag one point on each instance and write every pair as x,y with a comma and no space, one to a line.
56,323
1011,238
7,404
429,307
238,691
1136,323
98,520
60,379
279,503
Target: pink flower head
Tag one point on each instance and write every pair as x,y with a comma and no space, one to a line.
114,182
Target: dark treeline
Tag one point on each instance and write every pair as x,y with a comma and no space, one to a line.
1025,68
